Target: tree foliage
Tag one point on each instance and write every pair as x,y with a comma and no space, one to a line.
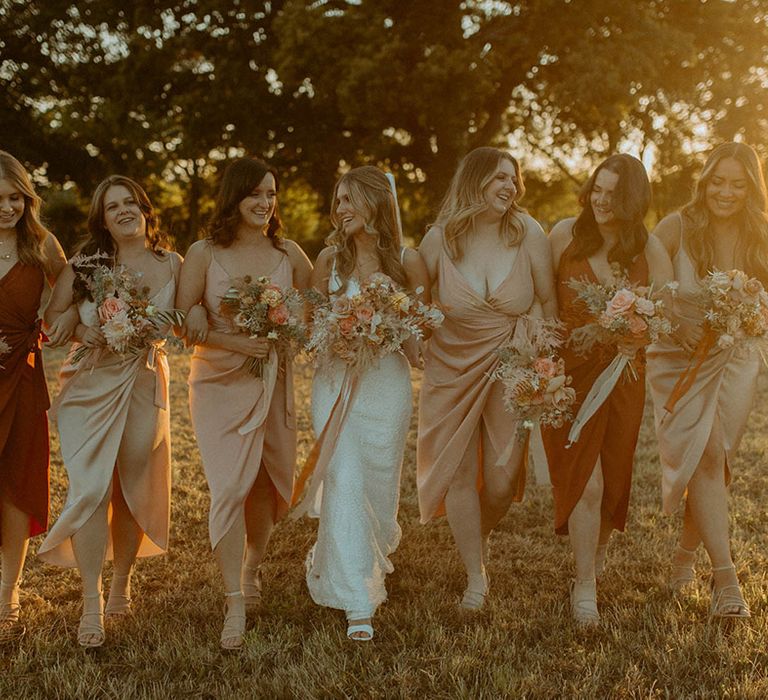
165,90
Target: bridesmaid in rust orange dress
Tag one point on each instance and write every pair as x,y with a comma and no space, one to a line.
591,479
28,255
490,263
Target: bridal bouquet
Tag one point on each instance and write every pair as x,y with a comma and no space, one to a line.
536,388
622,313
127,318
264,310
361,329
736,316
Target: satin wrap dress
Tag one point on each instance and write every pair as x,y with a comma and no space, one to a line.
113,416
611,433
717,405
458,397
23,397
243,423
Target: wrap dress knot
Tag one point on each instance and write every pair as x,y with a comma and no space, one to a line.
457,392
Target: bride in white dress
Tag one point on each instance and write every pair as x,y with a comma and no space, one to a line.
357,493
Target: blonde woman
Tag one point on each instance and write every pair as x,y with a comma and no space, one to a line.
489,263
360,491
29,255
724,227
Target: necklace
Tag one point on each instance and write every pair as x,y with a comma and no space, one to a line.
8,255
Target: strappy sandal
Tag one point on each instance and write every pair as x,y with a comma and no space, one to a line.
584,608
353,628
234,626
90,632
119,603
11,628
682,574
476,591
727,602
251,585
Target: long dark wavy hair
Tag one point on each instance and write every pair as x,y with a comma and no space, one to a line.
465,199
631,200
30,232
752,220
371,196
99,240
240,178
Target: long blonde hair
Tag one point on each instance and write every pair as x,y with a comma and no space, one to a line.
372,198
465,200
30,232
752,220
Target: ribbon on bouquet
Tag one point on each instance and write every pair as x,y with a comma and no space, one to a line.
261,409
688,377
598,395
324,447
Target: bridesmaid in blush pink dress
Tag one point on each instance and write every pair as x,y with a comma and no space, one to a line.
245,425
724,227
113,416
490,263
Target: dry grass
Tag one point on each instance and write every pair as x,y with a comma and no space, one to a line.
522,644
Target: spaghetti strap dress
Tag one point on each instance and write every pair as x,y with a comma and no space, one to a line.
611,433
113,414
720,399
23,398
458,395
243,423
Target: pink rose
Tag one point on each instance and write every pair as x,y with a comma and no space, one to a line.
645,306
341,305
545,367
364,313
111,306
621,303
278,315
637,326
347,325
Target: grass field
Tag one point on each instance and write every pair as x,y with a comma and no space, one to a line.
521,645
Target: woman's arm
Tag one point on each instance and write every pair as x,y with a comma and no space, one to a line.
55,260
417,275
189,293
542,267
59,304
318,279
300,264
429,250
59,331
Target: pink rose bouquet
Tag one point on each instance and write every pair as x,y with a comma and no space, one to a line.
262,309
129,320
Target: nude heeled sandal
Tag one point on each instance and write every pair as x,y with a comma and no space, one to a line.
234,625
476,591
11,628
90,631
727,602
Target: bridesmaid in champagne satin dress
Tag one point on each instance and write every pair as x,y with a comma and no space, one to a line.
245,425
489,263
724,227
29,255
113,417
